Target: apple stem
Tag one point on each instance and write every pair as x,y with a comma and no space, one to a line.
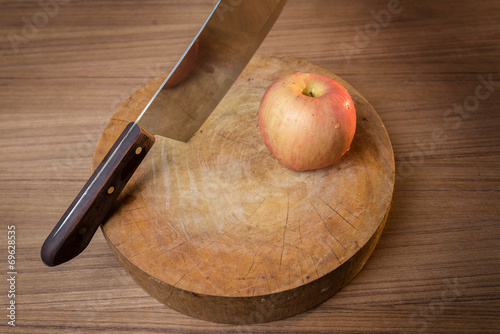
307,92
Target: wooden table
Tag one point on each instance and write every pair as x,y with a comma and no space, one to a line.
431,69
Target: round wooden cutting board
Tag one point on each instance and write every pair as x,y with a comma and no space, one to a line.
219,230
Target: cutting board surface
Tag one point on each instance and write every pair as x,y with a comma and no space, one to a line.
216,228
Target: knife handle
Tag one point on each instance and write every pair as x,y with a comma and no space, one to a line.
78,225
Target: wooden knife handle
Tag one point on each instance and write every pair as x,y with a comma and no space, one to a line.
89,209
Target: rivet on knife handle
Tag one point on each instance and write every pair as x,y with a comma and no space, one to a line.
78,225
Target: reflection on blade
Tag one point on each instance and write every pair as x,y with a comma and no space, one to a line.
214,60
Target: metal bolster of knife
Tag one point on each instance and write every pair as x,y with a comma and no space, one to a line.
90,208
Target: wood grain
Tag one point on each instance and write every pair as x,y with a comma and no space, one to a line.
217,229
436,267
98,196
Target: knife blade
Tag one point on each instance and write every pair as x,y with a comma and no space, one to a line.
208,68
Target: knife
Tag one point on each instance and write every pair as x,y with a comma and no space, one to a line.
208,68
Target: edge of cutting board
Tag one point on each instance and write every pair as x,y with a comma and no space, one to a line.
135,214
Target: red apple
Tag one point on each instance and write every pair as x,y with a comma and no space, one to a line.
307,121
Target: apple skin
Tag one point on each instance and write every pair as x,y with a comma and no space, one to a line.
307,121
